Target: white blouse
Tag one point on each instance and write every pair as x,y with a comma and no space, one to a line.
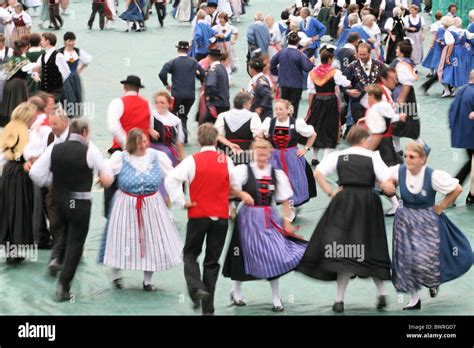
84,57
376,114
413,21
329,163
405,74
339,79
441,181
169,120
26,18
140,163
283,188
301,126
237,118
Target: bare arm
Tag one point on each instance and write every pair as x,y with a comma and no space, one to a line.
448,200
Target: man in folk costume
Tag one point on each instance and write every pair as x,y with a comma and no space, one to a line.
54,15
216,87
72,165
461,122
208,175
260,89
314,29
203,35
53,67
362,73
258,36
212,17
184,71
124,113
97,6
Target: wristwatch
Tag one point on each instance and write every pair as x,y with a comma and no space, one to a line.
307,148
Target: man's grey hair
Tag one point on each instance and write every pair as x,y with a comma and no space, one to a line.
60,112
259,16
79,125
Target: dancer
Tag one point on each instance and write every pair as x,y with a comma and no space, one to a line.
208,175
283,131
423,237
55,19
415,31
261,90
227,36
395,33
313,29
268,247
5,54
22,21
97,6
324,112
203,34
361,226
155,243
160,6
34,52
133,15
184,11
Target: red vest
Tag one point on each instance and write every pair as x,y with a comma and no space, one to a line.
210,186
136,114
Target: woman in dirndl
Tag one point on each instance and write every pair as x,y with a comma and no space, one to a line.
437,31
267,245
415,31
423,236
324,111
350,238
395,34
140,234
284,131
22,22
133,15
227,36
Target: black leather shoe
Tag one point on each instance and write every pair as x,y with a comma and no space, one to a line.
381,302
470,199
278,308
118,283
149,288
45,245
239,303
62,294
416,306
338,307
199,296
434,292
54,267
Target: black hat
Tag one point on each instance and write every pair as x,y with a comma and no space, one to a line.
257,63
183,45
133,80
214,52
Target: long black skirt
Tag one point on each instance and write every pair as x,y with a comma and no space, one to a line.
388,153
411,127
72,96
325,117
16,205
15,93
350,237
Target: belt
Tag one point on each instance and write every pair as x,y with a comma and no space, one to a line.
81,195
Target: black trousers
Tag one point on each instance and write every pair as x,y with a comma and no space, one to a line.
212,119
214,232
108,195
161,11
466,169
54,226
357,112
41,232
55,16
74,215
293,95
181,108
96,7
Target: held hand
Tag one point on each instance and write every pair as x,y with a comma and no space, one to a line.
154,134
361,121
336,191
236,149
438,209
27,166
471,116
353,93
259,111
168,201
189,205
168,88
246,198
388,188
105,180
288,226
301,152
402,117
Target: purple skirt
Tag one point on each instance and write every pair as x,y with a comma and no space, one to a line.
267,253
171,155
295,168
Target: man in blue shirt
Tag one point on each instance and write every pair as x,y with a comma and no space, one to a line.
203,35
289,65
313,29
258,36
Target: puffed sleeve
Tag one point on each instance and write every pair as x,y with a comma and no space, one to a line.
165,163
448,38
380,168
404,75
283,190
394,172
255,124
389,24
239,176
329,163
84,57
303,128
219,124
310,85
443,182
340,79
266,126
115,162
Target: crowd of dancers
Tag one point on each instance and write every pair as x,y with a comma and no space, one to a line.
252,159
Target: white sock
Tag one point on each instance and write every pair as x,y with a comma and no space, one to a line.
236,291
116,273
342,282
446,89
396,144
327,152
315,153
147,277
275,292
415,296
380,286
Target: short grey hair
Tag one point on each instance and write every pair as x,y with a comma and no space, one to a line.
60,112
397,12
259,16
79,125
241,99
353,18
207,134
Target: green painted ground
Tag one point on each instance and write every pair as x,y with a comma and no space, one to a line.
28,290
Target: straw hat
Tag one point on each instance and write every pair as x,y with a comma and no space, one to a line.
14,139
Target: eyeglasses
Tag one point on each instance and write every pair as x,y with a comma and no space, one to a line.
411,156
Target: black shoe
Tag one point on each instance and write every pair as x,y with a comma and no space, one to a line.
469,199
199,296
434,292
54,267
14,260
416,306
149,288
90,27
314,162
338,307
45,245
118,283
239,303
62,294
207,314
278,308
381,302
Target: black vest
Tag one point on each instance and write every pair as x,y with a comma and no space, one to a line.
261,190
283,137
355,170
69,167
51,79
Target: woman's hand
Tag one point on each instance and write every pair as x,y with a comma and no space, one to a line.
154,134
288,226
471,116
246,198
301,152
236,149
438,209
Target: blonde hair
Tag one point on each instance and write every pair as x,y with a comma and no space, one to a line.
25,112
353,19
260,143
288,106
417,148
132,139
447,21
368,18
415,8
471,15
457,22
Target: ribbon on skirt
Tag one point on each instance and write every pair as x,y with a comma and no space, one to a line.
269,222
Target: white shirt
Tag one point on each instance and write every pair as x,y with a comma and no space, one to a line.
405,75
60,62
26,18
140,163
114,113
339,79
413,21
40,171
300,125
435,26
283,190
184,173
375,117
448,37
237,118
37,139
84,57
441,181
329,163
169,120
